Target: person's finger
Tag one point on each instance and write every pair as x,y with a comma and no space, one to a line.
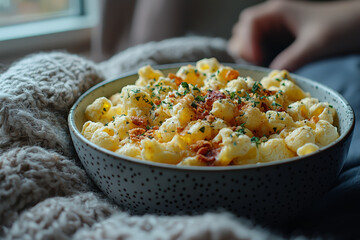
300,52
245,42
251,48
252,29
234,43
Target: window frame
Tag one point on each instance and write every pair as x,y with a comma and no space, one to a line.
54,33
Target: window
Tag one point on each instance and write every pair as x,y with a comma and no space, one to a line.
22,11
31,25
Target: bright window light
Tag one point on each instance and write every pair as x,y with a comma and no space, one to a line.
27,25
22,11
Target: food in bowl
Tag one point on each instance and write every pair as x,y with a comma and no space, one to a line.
269,192
209,115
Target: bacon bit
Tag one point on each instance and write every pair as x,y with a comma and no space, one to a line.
200,144
137,134
233,128
244,105
210,118
314,119
232,74
203,108
201,113
157,101
269,92
205,151
150,133
264,107
208,155
171,95
179,129
280,109
139,121
200,110
215,95
178,80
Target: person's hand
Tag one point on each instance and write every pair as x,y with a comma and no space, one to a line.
317,30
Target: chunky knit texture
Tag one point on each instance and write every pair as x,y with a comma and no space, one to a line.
44,192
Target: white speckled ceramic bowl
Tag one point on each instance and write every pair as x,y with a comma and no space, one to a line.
268,192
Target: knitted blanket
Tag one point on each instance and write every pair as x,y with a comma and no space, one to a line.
44,191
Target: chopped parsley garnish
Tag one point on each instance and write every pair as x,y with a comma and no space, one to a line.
276,104
137,98
255,140
247,96
200,98
194,105
196,89
185,85
202,129
255,87
136,91
241,131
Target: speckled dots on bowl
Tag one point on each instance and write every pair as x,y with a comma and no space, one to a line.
268,192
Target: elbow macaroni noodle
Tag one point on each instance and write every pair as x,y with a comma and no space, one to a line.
208,115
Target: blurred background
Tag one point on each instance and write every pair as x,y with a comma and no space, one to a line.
28,26
97,29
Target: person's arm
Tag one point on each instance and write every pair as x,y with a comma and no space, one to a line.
319,30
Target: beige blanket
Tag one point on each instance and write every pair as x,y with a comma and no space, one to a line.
44,191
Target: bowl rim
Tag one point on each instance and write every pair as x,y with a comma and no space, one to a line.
77,133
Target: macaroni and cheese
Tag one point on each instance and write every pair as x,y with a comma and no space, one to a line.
209,115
